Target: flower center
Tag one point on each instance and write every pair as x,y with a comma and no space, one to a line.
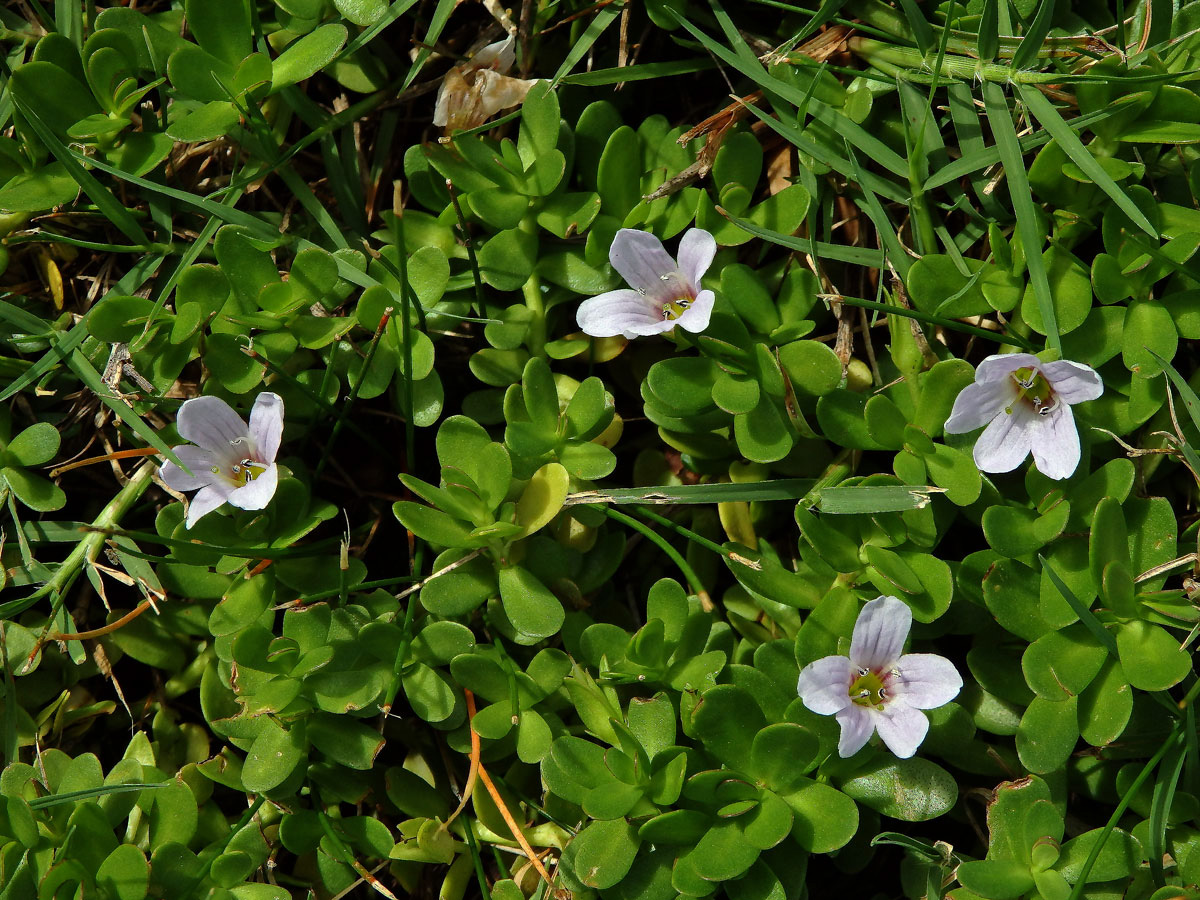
675,308
243,472
1034,389
870,688
676,295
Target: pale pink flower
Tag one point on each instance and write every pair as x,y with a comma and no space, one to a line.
876,688
662,293
230,462
1026,405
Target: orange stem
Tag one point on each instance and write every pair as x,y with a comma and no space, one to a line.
100,632
473,774
259,568
91,460
499,801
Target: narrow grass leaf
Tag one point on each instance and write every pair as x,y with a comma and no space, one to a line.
828,157
971,162
1043,110
1000,118
23,319
875,498
989,31
90,793
1035,34
395,11
109,206
639,72
827,10
859,256
895,250
583,44
775,489
1190,401
62,347
921,31
850,130
82,367
1160,808
1086,616
437,22
1013,340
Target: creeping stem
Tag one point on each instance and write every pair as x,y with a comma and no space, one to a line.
87,549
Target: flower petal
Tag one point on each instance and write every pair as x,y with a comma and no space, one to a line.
695,317
641,259
1005,443
996,367
824,685
636,331
205,501
497,92
608,315
696,251
902,728
258,493
499,56
879,633
979,403
1073,382
266,425
211,423
197,459
1055,443
857,727
927,680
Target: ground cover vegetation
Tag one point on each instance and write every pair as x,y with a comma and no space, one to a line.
628,450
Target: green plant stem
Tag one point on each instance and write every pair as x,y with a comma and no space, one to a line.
87,549
246,819
681,530
953,324
908,62
532,291
890,19
659,541
536,341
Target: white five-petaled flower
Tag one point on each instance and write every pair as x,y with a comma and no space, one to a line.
876,688
662,293
1026,405
230,461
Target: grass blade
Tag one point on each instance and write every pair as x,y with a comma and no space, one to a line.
851,131
971,162
1086,616
1035,34
775,489
62,347
112,209
1043,110
438,21
875,498
640,72
82,367
595,28
1000,118
859,256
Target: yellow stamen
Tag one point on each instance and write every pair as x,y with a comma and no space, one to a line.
1034,389
868,690
675,308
